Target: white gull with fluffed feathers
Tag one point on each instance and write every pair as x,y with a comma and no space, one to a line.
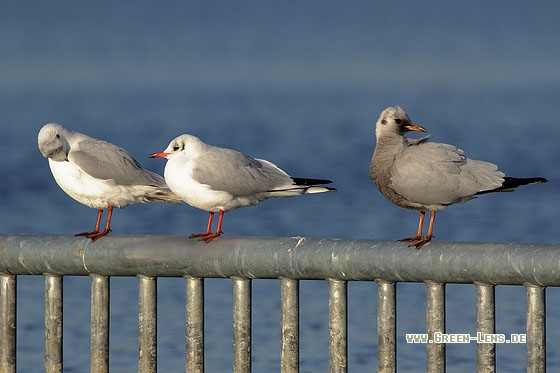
99,174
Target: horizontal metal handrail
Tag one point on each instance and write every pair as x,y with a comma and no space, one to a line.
289,257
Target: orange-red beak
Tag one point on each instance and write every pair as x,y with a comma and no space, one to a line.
159,155
415,127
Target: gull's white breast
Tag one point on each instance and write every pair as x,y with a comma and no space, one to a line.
178,176
93,192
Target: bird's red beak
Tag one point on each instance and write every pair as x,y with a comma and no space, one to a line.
159,155
415,127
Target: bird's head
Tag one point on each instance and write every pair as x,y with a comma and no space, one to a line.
53,142
394,120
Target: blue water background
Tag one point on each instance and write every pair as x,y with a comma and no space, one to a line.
300,84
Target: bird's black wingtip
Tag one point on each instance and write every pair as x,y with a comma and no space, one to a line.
511,183
514,182
310,182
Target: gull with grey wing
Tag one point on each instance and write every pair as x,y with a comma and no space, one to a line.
427,176
99,174
219,179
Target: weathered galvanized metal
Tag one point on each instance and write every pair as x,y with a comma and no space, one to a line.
536,329
435,322
295,257
147,324
486,265
289,298
338,326
386,326
194,325
485,324
241,325
8,286
99,329
53,323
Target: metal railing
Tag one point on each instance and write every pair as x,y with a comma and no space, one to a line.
289,260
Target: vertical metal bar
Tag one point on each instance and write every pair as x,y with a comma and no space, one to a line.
99,338
147,324
194,324
241,325
289,298
53,323
536,328
485,324
338,325
386,327
8,287
435,322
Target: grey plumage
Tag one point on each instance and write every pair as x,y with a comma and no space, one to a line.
428,176
114,163
99,174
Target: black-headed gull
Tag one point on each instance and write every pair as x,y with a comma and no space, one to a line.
428,176
219,180
99,174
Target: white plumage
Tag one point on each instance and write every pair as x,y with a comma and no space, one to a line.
219,180
99,174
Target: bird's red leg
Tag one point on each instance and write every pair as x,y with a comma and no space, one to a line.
220,220
96,229
208,228
98,223
218,229
419,233
209,236
98,235
418,244
431,227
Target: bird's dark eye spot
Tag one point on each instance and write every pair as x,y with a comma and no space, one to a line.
57,136
398,121
383,121
176,147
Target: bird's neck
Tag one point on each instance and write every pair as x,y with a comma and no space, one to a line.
386,150
389,146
